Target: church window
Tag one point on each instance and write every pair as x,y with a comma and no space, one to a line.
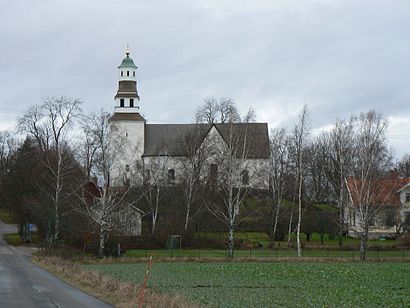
122,73
126,134
127,168
407,197
121,102
128,73
133,74
147,174
245,177
171,175
131,102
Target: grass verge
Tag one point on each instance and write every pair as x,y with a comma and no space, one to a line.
14,239
7,217
107,288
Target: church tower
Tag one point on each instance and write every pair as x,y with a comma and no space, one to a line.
127,99
126,121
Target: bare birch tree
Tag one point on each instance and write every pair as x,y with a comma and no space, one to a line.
106,207
194,148
300,135
156,179
49,123
337,149
222,110
233,167
367,190
279,169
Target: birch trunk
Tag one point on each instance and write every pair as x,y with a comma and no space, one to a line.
188,206
154,220
56,232
155,211
102,243
299,246
230,241
363,243
188,209
341,219
341,212
275,225
290,224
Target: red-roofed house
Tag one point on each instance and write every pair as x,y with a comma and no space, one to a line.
388,205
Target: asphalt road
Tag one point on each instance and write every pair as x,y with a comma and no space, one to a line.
24,284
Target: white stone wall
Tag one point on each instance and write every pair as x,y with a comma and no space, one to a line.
405,206
130,222
132,135
257,169
132,73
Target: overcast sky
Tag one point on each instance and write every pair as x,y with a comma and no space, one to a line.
339,57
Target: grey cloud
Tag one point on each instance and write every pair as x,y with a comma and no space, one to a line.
339,57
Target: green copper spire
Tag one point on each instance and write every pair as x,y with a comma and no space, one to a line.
127,61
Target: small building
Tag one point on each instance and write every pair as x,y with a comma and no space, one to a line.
389,206
126,223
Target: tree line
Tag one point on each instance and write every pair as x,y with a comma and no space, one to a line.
56,171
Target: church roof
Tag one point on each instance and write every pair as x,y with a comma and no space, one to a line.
257,137
126,117
166,139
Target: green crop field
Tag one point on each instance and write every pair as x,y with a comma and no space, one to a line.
254,254
275,284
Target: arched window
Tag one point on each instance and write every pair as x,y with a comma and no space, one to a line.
122,73
171,175
245,177
128,73
121,102
131,102
133,74
127,168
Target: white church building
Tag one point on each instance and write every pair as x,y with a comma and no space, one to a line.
162,143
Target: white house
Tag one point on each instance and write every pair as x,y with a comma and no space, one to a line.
166,143
389,206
